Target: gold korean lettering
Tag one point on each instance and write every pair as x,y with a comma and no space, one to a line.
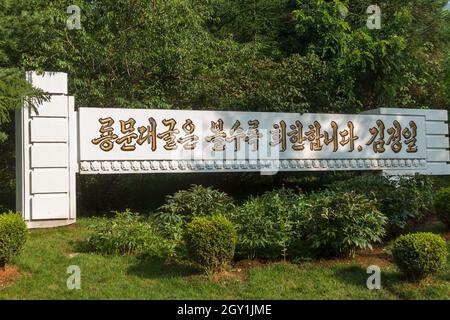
148,134
169,135
333,138
377,132
314,136
107,136
278,135
236,134
127,128
218,137
395,137
351,137
253,134
296,136
189,140
410,137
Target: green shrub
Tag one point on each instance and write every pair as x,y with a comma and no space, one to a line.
181,207
269,225
13,235
419,255
126,233
211,242
442,205
402,199
340,223
195,201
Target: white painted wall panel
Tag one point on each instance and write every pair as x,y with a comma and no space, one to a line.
49,130
49,180
435,141
56,107
430,115
438,155
437,127
51,82
48,155
438,168
46,207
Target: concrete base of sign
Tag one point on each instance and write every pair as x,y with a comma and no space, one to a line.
42,224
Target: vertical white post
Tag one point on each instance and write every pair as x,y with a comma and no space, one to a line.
46,155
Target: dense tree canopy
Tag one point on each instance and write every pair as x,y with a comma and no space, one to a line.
267,55
288,55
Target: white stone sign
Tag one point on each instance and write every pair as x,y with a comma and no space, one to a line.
54,142
130,140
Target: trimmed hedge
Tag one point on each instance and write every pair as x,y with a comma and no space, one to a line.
13,235
419,255
211,242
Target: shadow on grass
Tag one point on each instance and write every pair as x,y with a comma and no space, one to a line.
155,268
353,275
145,267
80,246
357,276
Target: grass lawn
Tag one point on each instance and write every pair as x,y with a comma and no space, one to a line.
43,263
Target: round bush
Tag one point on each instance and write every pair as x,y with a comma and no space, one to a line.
13,235
419,255
211,242
442,206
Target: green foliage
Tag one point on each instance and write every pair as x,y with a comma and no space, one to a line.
250,21
195,201
14,92
419,255
442,205
400,65
181,207
340,223
126,233
211,242
13,235
268,225
401,199
221,54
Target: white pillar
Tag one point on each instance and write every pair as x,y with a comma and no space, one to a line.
46,155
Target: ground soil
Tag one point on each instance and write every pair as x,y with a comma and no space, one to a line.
8,275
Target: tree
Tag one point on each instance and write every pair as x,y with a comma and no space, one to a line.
400,65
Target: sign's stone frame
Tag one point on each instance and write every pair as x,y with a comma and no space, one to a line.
48,155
